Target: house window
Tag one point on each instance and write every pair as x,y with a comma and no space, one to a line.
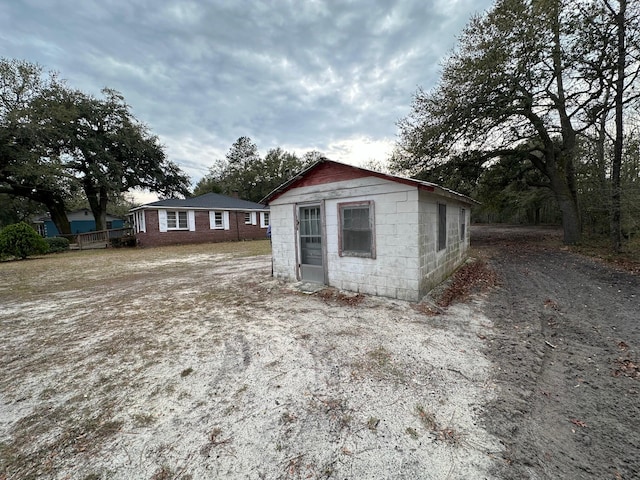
357,234
463,223
264,219
109,225
247,218
177,220
442,226
218,220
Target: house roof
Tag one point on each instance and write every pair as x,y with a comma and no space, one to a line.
73,214
351,172
207,201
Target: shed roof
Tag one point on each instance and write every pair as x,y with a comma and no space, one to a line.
348,172
214,201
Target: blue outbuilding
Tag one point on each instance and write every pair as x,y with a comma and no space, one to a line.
81,221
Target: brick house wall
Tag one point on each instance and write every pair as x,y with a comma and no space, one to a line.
238,230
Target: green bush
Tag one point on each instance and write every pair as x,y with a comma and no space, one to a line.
20,240
57,244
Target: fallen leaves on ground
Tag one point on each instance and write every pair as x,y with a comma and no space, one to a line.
579,423
473,276
626,367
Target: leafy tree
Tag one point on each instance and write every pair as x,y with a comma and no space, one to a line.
55,141
18,209
104,147
520,86
245,173
20,240
26,170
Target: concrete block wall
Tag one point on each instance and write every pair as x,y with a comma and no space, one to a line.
436,266
283,241
395,270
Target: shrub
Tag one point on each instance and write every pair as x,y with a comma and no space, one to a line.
20,240
57,244
126,241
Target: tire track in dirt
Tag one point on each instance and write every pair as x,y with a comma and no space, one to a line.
560,411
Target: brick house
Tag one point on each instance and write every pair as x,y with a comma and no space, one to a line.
366,231
207,218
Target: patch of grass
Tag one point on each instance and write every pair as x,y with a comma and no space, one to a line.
143,419
380,356
599,247
379,364
287,418
412,432
427,419
163,473
430,423
372,423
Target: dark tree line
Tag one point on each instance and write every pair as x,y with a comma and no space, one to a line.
57,142
245,173
544,86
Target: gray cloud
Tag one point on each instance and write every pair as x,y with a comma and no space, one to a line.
302,74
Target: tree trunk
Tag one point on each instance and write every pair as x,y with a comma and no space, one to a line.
53,202
568,204
616,237
58,214
98,200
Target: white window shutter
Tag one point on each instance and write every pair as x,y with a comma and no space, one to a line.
225,217
212,219
162,220
191,220
143,226
253,218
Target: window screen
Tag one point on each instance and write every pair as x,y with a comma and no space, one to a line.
357,234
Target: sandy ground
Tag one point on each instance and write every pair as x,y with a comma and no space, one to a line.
192,363
565,349
185,363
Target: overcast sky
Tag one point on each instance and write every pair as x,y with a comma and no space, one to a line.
333,76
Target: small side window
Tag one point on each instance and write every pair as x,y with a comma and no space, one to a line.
442,226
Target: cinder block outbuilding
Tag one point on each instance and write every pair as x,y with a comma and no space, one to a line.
366,231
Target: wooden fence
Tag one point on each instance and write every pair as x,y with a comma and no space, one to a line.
101,238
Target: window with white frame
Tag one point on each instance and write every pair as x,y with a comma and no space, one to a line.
463,223
357,232
442,226
177,220
218,220
264,219
139,221
250,218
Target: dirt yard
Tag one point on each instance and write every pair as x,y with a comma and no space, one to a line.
192,362
565,353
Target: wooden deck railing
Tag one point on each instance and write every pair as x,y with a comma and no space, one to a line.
101,237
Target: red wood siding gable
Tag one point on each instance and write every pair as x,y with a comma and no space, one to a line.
327,171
